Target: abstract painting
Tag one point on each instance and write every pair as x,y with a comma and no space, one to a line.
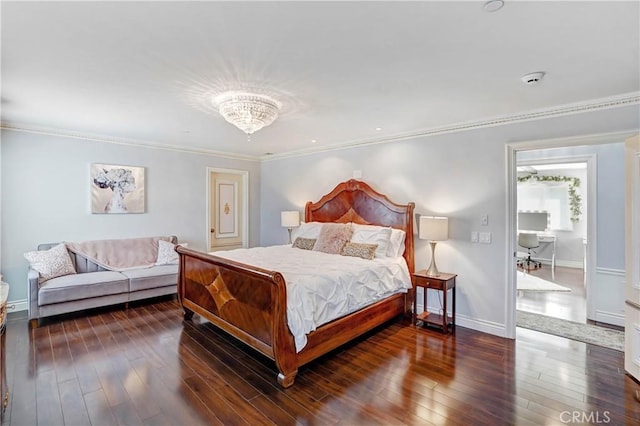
117,189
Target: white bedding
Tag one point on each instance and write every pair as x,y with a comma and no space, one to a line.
322,287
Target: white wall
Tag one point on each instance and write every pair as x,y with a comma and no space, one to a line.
46,196
460,175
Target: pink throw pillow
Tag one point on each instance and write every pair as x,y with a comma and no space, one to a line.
333,236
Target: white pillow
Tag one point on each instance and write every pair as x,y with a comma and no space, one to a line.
167,254
372,234
51,263
307,230
396,243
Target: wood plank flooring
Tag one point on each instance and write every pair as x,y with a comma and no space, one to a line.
145,366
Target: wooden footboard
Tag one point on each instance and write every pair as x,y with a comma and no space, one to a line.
247,302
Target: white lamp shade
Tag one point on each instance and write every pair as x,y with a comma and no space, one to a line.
434,228
290,219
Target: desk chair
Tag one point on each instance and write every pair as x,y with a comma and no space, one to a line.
529,241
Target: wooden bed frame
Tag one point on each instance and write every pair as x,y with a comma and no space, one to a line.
251,303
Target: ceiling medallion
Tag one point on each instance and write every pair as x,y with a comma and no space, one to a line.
247,111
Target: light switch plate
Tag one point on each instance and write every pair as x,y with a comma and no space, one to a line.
485,237
474,236
484,220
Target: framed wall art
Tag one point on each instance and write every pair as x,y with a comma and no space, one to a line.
117,189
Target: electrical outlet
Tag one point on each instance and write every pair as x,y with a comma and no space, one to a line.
474,236
485,237
484,220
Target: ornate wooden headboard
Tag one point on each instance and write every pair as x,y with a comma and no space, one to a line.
355,201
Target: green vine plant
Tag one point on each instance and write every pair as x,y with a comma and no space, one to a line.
575,200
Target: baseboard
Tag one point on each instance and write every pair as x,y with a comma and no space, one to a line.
488,327
483,326
609,318
564,263
17,305
569,264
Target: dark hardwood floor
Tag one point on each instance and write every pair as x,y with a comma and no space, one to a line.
144,365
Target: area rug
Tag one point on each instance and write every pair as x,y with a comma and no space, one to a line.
527,282
586,333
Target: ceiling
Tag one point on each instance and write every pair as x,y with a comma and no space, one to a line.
346,72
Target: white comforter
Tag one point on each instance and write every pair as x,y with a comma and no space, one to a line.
322,287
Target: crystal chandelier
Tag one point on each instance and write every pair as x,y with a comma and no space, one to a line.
249,112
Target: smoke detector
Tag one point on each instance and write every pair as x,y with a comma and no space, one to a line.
493,5
532,78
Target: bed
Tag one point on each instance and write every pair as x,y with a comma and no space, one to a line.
250,303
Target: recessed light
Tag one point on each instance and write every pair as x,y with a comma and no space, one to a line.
378,128
313,141
493,5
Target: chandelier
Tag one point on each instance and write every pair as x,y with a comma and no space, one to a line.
249,112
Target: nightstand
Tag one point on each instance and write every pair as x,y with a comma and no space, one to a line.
443,282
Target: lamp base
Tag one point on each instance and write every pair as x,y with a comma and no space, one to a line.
433,269
289,229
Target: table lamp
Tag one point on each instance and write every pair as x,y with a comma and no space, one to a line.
290,220
434,229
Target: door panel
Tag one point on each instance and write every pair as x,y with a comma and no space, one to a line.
226,216
632,258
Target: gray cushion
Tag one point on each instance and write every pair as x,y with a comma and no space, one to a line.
82,286
156,276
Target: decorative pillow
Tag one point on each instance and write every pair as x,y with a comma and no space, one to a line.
333,236
51,263
396,243
304,243
372,234
167,254
365,251
307,230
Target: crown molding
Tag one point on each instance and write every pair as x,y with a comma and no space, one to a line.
121,141
592,105
593,139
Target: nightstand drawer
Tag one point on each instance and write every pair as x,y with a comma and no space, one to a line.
428,282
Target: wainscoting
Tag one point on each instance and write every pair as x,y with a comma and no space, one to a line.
609,296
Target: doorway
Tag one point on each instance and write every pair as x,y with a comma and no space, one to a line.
609,290
227,209
553,195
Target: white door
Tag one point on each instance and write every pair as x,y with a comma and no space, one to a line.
227,215
632,258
